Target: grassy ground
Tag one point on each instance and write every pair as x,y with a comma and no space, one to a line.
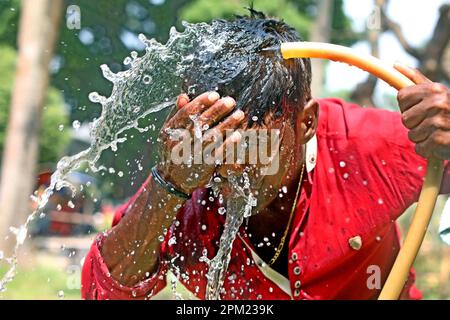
433,261
45,276
42,282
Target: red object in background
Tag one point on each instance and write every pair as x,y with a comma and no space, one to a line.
44,178
367,174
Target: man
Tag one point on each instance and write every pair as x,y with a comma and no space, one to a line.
324,221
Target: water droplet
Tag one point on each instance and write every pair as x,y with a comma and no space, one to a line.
127,61
94,97
345,175
203,227
355,242
76,124
172,241
222,210
120,174
380,201
20,233
342,164
147,79
61,127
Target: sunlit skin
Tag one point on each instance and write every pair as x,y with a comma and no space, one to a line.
131,249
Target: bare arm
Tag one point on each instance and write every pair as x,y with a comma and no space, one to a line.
132,248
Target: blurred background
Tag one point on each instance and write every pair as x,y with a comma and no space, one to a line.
50,53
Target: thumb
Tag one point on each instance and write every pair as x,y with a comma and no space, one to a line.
182,100
413,74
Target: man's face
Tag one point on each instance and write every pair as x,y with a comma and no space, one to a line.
269,149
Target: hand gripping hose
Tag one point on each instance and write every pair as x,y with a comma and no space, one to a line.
430,189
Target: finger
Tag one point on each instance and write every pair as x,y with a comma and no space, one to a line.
410,96
423,148
202,102
182,100
216,112
437,145
413,74
182,119
231,122
413,116
422,131
427,127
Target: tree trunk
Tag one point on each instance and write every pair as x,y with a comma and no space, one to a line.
363,93
38,28
320,32
433,58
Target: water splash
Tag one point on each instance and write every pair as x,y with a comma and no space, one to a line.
150,84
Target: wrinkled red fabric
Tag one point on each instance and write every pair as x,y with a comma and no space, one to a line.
367,173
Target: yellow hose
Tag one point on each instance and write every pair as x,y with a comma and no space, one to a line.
430,189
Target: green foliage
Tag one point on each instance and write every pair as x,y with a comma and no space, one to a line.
299,14
101,40
9,21
43,281
341,26
7,67
104,23
52,142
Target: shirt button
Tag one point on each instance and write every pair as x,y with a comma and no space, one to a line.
296,293
297,270
294,256
297,284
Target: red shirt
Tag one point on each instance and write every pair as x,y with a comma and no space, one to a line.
367,173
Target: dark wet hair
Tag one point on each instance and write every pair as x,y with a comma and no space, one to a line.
260,81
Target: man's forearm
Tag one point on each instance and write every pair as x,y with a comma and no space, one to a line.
132,248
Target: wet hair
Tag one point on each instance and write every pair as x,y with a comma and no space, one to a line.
242,67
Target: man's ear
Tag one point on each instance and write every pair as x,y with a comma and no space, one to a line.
307,123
